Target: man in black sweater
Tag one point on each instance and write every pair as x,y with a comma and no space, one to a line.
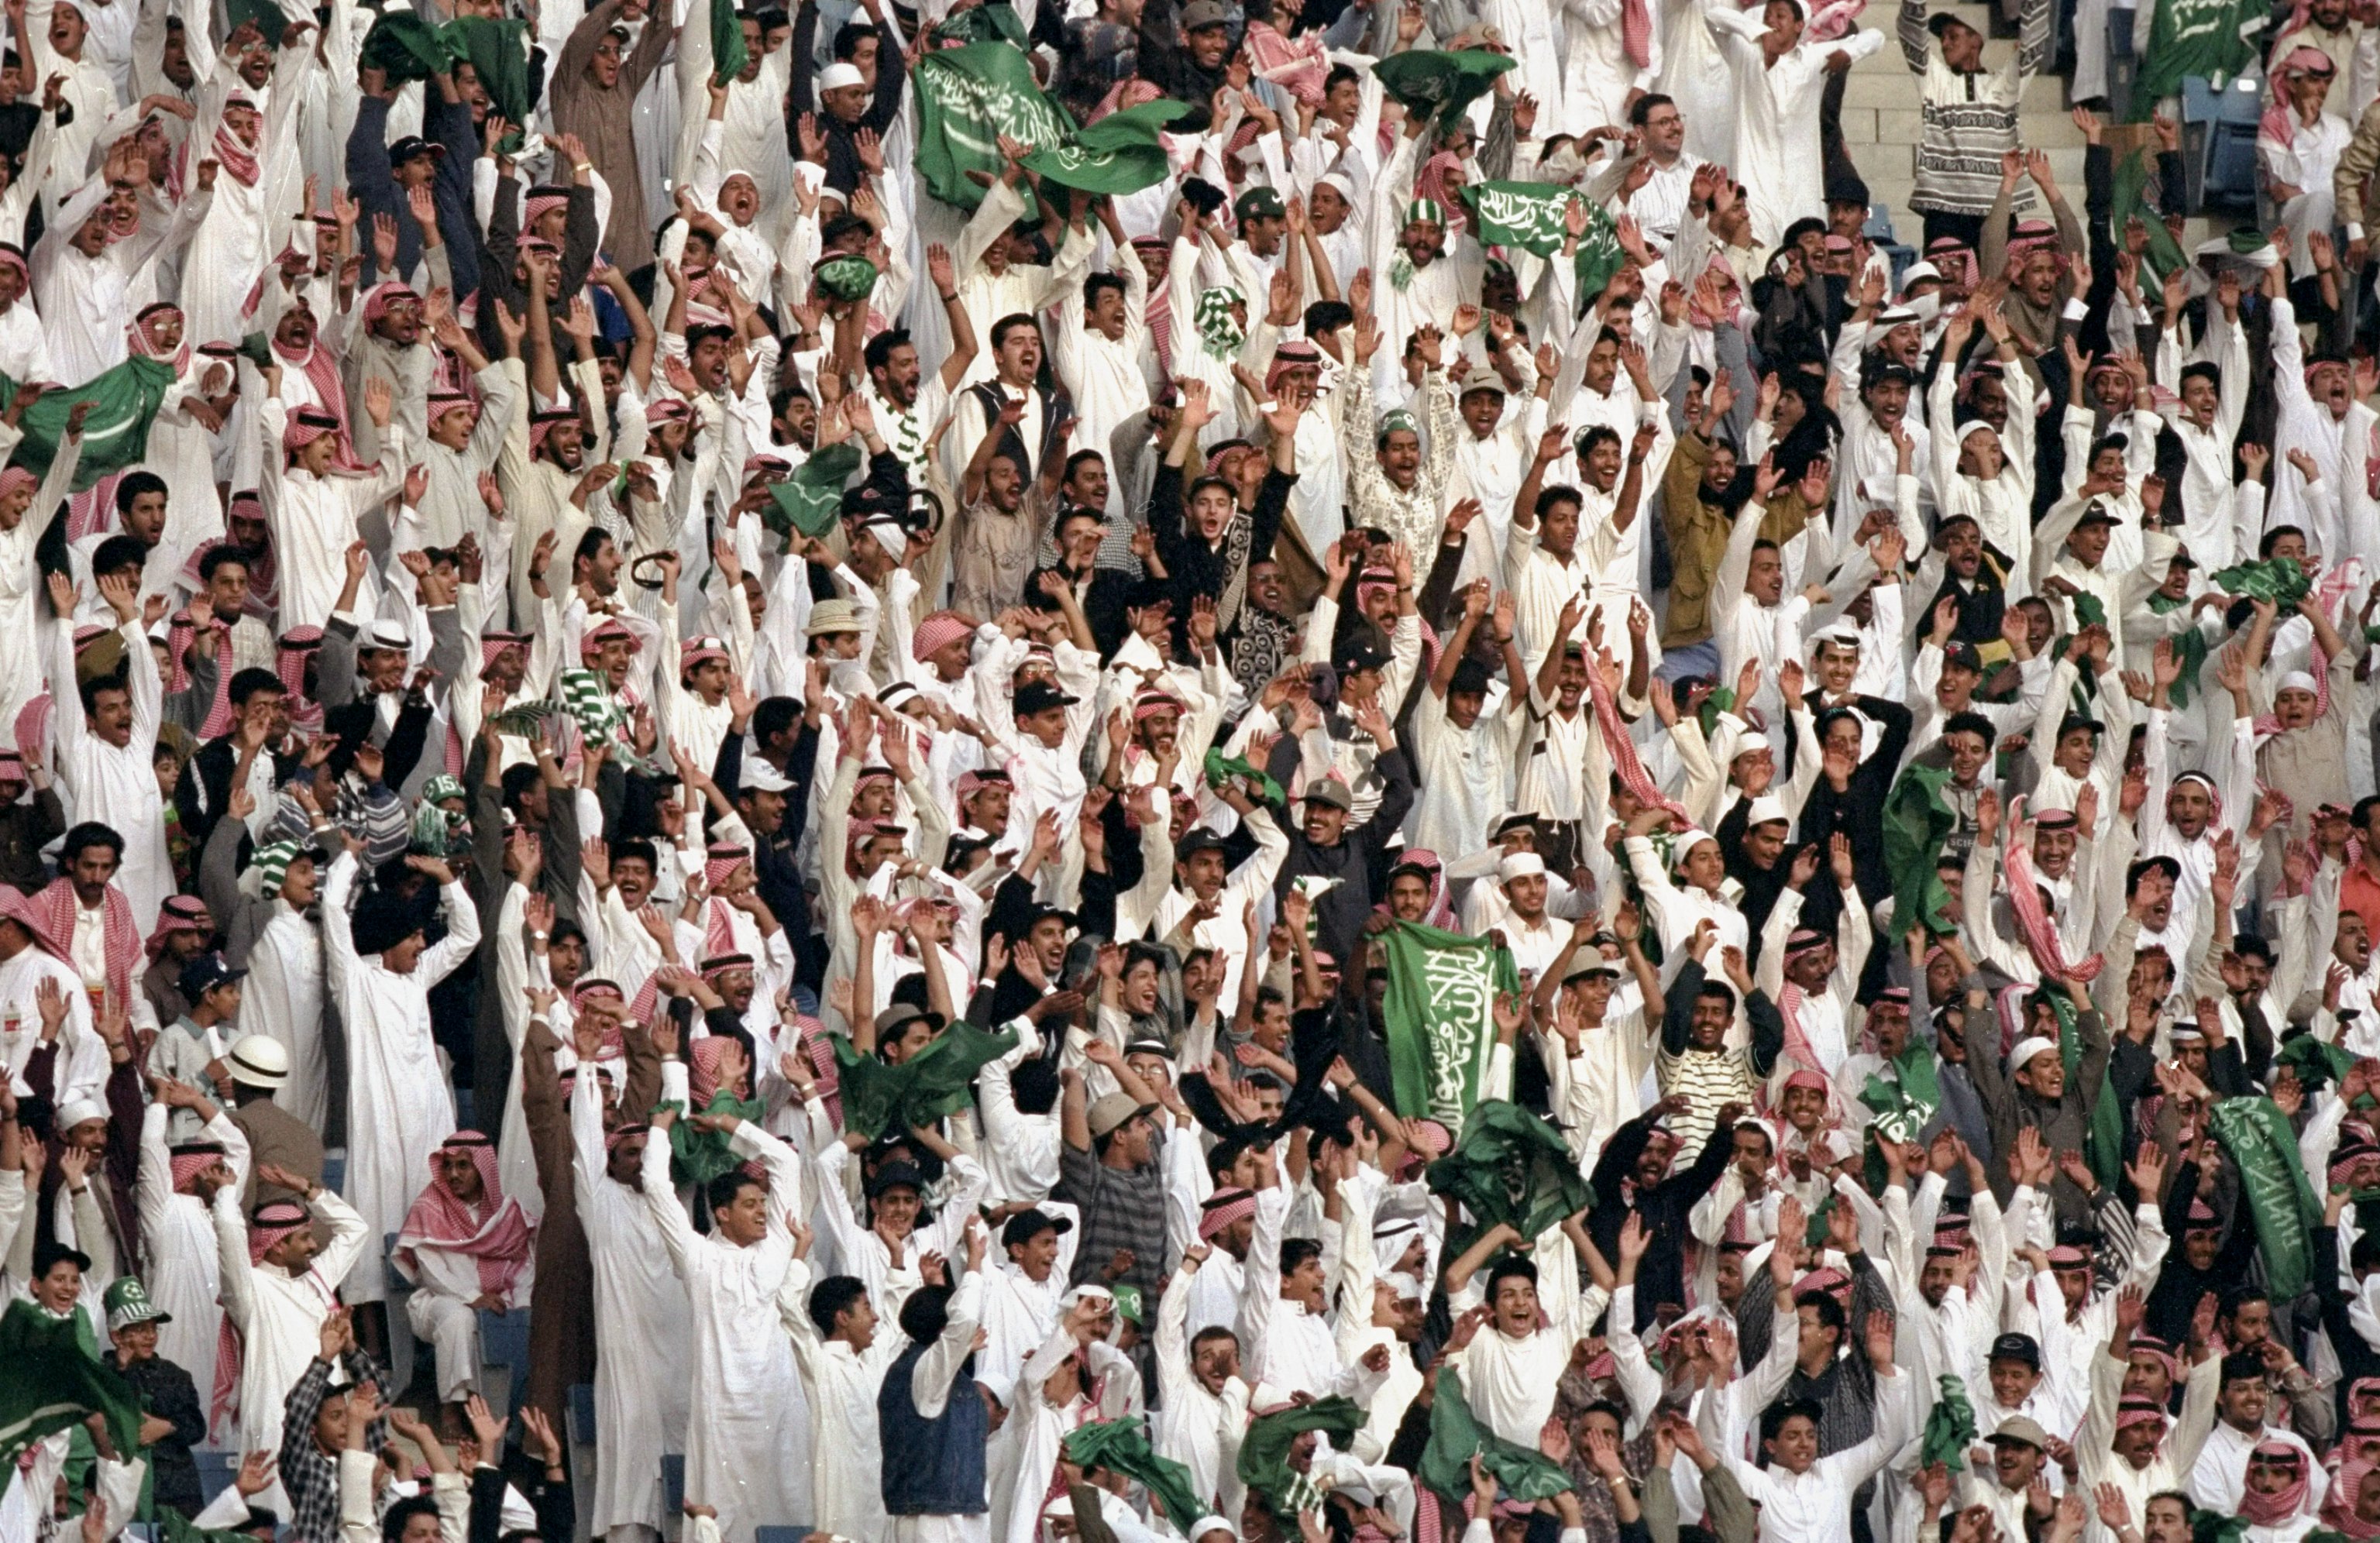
1632,1176
1331,862
860,93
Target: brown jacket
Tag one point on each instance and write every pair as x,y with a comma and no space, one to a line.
276,1136
604,117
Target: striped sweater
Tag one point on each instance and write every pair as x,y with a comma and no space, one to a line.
1968,121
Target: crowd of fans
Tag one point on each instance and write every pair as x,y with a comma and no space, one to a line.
1155,768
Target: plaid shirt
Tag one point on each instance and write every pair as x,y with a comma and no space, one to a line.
1121,1208
311,1475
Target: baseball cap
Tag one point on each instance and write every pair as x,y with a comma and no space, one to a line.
412,145
1040,696
2024,1348
757,775
1330,791
1029,1223
127,1303
1205,13
2020,1427
205,973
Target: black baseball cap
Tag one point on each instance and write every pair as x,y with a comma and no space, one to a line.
203,974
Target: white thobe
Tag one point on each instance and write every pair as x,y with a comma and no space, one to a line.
840,1384
747,1438
185,1273
313,518
116,785
641,1383
279,1316
399,1106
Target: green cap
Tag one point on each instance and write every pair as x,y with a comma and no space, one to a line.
848,277
127,1303
1259,203
1127,1301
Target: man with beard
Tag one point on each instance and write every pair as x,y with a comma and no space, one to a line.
906,404
545,494
254,749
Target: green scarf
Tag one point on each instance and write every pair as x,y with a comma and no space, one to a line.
52,1378
2189,647
877,1097
810,501
1456,1437
1122,1446
2105,1144
1950,1428
1222,769
1439,82
2277,580
1219,333
1264,1451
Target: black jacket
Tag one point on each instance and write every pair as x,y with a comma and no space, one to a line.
168,1393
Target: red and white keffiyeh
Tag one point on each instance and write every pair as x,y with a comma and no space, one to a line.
494,1232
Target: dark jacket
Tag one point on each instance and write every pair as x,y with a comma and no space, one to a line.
1340,910
1662,1274
26,827
1194,568
372,184
168,1393
843,170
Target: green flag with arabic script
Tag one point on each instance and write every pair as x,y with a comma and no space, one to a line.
1440,1017
967,99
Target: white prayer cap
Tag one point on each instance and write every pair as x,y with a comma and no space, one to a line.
1518,864
77,1112
1973,427
1206,1525
1764,810
1687,840
2297,680
1086,1292
2026,1049
1405,1285
1339,183
1751,740
838,75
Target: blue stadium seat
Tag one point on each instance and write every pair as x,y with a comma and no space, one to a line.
335,1171
216,1470
504,1342
2219,141
779,1534
673,1483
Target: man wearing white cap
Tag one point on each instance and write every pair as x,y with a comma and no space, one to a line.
1696,896
2035,1091
1527,930
2183,814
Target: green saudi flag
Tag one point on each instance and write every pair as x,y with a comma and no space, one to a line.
1439,82
124,403
1529,215
996,22
2128,200
407,47
1508,1166
2211,38
967,99
2283,1202
1121,153
51,1380
1440,1017
1916,822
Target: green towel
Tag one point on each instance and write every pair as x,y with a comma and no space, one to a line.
1264,1452
728,54
1456,1436
1510,1166
498,56
2278,579
879,1097
1122,1446
1441,83
810,501
698,1156
2132,176
1220,768
407,48
1916,822
1950,1427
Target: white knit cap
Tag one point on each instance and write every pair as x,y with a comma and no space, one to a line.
2297,680
77,1112
1766,809
838,75
2026,1049
1518,864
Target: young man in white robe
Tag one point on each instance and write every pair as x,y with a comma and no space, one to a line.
841,1348
382,970
177,1191
278,1286
748,1435
107,742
